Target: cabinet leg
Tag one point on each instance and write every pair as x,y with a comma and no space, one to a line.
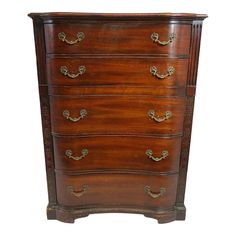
64,215
51,212
180,212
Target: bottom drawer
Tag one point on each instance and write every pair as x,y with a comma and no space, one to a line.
104,190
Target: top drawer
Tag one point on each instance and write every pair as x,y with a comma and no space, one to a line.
118,38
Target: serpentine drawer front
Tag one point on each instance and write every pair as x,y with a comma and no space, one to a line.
117,95
121,115
135,191
161,72
118,37
149,154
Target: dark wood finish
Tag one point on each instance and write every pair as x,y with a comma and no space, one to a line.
130,192
69,214
118,37
192,79
118,71
117,91
45,116
73,17
122,115
103,157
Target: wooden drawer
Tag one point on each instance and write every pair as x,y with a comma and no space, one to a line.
117,37
116,190
117,115
118,71
117,153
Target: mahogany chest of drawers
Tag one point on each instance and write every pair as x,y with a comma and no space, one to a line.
117,95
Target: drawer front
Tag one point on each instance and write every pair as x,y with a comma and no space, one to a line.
116,190
117,37
114,153
118,71
116,115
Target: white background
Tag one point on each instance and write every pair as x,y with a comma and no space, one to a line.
210,195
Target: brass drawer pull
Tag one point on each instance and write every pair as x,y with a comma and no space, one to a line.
147,189
155,38
170,71
80,37
157,118
65,71
77,193
164,154
69,154
66,114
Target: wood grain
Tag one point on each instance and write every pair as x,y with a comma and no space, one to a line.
118,71
108,153
116,190
116,115
117,91
122,90
45,116
118,37
72,17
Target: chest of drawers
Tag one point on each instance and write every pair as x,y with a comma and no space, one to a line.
117,95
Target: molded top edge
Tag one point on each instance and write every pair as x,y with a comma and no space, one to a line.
120,16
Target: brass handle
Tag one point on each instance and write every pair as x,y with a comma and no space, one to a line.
80,37
157,118
147,189
65,71
69,154
170,71
164,154
77,193
155,38
66,114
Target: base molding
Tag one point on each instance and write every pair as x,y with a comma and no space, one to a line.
163,217
69,215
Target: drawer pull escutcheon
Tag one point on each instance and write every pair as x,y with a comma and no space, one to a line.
69,154
166,116
80,37
66,114
147,189
65,71
155,38
164,154
170,71
77,193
